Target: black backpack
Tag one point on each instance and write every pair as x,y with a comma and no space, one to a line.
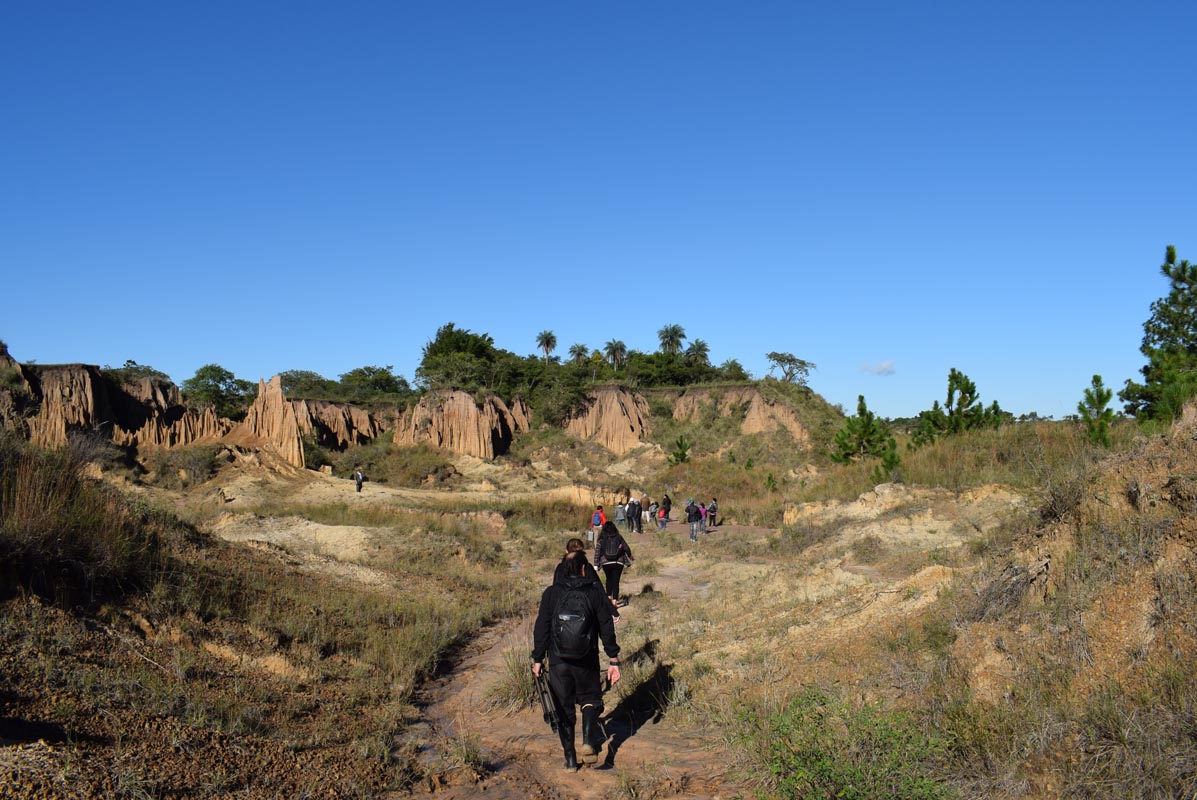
612,547
573,625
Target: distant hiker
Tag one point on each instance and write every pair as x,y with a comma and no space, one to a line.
702,523
652,512
612,554
661,518
634,516
711,510
574,615
646,515
621,514
358,479
596,523
666,504
694,517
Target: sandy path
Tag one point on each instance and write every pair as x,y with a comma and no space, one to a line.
648,753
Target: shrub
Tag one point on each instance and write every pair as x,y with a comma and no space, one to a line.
822,747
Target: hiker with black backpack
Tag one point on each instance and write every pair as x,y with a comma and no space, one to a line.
612,554
574,615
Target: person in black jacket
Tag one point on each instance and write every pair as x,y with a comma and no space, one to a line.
575,680
612,554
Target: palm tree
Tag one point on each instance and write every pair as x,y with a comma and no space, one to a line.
547,342
579,353
697,352
616,352
671,337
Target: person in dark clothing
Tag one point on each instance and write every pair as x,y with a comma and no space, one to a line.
712,510
358,478
612,554
694,517
634,512
666,504
575,680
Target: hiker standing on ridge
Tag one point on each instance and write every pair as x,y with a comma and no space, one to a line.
574,615
612,554
358,478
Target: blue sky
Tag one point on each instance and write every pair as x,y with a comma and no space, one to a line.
886,189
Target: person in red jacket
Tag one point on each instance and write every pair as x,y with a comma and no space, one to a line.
597,520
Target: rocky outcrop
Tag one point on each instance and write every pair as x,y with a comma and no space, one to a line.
612,417
337,425
149,413
759,414
454,421
272,420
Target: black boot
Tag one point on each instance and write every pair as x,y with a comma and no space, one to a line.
592,734
567,744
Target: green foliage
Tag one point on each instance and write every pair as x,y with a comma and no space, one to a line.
822,747
671,338
213,385
962,412
307,384
681,451
793,369
578,353
366,384
865,436
616,352
546,341
1170,345
698,353
1095,412
733,370
132,372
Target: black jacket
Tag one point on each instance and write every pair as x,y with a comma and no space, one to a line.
693,513
600,546
598,603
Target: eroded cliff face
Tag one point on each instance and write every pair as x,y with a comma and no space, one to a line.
337,425
454,421
760,415
614,418
77,397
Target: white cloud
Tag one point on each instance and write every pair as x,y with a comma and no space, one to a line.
882,368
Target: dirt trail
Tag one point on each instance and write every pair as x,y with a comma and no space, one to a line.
647,753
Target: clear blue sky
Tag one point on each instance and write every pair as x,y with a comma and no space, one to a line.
886,189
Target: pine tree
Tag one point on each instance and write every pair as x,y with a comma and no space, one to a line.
962,412
1170,345
1096,413
865,436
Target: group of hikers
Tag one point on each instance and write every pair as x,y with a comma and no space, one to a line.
577,614
635,513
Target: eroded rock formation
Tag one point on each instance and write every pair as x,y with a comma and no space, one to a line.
759,414
272,419
454,421
149,413
337,425
612,417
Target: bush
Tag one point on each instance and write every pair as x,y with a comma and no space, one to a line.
821,747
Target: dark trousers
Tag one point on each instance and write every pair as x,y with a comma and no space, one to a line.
575,684
613,571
